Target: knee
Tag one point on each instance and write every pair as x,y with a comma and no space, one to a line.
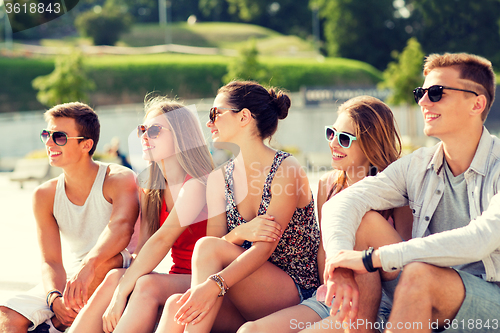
146,286
12,319
205,248
113,277
371,221
416,278
171,306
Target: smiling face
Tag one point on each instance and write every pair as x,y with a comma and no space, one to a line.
451,113
351,159
222,129
72,151
161,147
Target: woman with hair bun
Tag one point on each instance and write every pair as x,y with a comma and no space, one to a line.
363,141
260,255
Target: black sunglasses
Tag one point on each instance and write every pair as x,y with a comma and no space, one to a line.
152,131
59,138
435,92
214,113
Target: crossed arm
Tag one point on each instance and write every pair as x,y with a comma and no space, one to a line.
279,213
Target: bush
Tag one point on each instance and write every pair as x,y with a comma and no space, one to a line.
127,79
103,27
67,83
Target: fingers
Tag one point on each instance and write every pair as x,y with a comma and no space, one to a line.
109,322
189,316
345,308
354,304
73,296
330,293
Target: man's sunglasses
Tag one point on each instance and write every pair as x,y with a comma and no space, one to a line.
152,131
59,138
435,92
345,139
214,113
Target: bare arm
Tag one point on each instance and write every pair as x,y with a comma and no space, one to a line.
286,198
53,272
216,203
120,189
190,202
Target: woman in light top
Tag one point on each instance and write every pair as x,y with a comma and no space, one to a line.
261,256
363,141
173,217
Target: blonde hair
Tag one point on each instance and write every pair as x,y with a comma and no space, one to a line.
191,152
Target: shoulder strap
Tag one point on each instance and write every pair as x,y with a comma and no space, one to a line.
266,192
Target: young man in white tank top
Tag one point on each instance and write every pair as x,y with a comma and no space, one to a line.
92,207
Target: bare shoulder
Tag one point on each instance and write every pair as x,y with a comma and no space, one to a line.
119,180
118,175
290,168
44,194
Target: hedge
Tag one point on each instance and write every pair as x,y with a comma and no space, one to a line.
126,79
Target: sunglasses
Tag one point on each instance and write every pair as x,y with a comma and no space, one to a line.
214,113
345,139
435,92
152,131
59,138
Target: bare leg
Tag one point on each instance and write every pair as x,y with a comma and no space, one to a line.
425,293
150,294
12,321
90,317
267,290
291,319
375,231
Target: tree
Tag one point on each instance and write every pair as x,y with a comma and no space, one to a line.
104,25
365,30
285,16
458,26
67,83
247,66
404,74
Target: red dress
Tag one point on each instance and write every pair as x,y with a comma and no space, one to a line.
182,250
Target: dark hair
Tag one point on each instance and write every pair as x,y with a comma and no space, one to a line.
266,106
87,122
471,67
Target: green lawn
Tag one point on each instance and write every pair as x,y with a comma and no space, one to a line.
208,34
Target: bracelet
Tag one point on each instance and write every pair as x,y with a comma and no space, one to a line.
52,303
220,283
55,291
367,260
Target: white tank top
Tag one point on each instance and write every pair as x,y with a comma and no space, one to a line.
81,226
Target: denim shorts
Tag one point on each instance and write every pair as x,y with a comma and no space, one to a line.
480,310
319,307
305,293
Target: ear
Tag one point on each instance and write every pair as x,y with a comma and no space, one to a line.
479,105
245,117
87,144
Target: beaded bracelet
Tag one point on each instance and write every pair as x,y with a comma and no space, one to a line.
220,283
